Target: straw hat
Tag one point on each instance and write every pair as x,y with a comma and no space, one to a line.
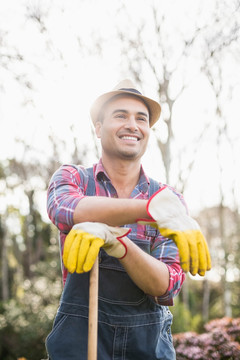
125,87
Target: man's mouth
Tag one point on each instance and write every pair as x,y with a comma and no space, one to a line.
129,137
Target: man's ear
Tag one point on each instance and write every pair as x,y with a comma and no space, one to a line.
98,128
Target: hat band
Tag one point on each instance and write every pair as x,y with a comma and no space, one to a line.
132,90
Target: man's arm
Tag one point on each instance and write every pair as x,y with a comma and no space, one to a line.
159,275
148,273
67,204
110,211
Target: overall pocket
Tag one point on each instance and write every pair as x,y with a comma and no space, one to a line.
59,319
165,347
68,339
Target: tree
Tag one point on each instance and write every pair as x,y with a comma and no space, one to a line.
29,252
156,52
150,55
221,224
4,261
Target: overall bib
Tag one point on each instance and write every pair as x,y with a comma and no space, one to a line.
131,326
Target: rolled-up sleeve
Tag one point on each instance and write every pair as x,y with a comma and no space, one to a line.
166,251
66,189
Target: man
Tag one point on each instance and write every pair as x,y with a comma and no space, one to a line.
138,228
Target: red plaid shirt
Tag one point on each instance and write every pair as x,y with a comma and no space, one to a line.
68,186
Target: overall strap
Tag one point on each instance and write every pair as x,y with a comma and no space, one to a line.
91,189
153,187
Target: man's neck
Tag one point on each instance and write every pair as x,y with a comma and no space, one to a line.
124,175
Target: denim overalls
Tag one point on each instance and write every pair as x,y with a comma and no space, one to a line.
131,326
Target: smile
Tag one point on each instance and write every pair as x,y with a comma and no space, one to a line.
132,138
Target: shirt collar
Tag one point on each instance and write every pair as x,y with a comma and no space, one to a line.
100,174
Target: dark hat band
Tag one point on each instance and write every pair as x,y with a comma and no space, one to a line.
132,90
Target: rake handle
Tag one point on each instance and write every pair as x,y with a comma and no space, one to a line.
93,312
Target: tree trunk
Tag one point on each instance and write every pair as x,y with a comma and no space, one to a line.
4,261
226,287
205,303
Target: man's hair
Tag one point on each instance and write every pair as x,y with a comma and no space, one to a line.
102,111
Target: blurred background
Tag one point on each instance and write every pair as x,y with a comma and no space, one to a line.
56,57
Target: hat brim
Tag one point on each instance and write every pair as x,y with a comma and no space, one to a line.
153,106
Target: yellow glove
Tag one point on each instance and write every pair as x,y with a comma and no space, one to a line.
169,216
83,242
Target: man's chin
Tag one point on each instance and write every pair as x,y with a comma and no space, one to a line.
129,155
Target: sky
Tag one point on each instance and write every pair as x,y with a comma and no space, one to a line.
67,78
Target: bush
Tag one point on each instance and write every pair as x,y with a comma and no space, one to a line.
183,320
220,342
26,320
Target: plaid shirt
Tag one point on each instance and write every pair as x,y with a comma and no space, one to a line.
68,186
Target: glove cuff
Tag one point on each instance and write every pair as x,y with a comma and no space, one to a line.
125,247
120,239
151,220
150,199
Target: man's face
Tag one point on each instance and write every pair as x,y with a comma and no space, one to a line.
124,130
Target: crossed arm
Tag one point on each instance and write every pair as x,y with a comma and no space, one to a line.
110,211
67,205
148,273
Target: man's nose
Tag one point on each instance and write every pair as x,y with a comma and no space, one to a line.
131,123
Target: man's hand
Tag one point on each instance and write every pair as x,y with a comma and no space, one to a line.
169,216
83,242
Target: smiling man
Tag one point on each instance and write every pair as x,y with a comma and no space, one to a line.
138,227
125,129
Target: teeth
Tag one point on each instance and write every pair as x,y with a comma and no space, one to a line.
129,138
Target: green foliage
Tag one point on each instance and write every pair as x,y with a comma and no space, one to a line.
35,285
183,320
188,317
26,320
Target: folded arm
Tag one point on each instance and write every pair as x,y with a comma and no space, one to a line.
150,274
110,211
67,204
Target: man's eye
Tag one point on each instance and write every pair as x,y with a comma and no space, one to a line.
142,119
121,116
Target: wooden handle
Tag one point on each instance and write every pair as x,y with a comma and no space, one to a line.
93,312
